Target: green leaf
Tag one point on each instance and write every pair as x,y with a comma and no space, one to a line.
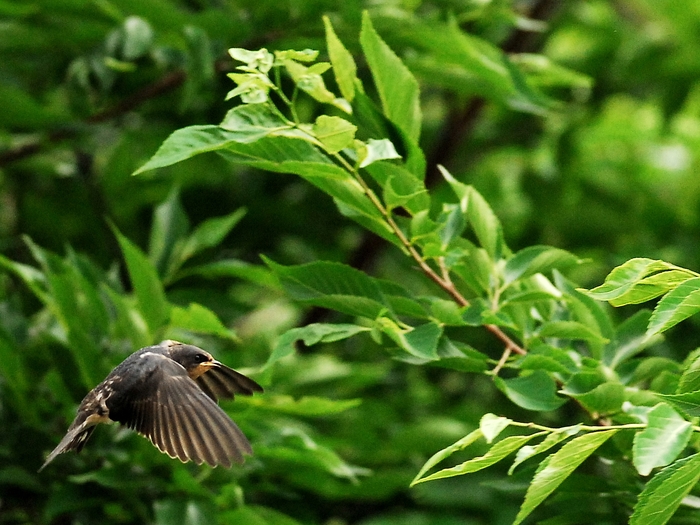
690,380
675,306
344,67
210,233
345,289
629,339
170,225
307,406
484,222
603,399
688,402
496,453
550,441
253,121
492,425
182,512
255,515
287,155
421,341
403,189
334,133
622,280
398,90
535,391
536,259
663,494
570,330
559,466
449,57
187,142
376,150
666,435
150,295
445,453
312,334
198,318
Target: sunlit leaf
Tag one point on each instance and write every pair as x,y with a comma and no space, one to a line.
536,259
492,425
344,67
312,334
659,444
675,306
663,494
496,453
397,88
447,452
559,466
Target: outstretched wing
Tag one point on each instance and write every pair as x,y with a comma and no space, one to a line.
221,381
180,419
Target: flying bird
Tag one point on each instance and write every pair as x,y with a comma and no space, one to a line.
168,393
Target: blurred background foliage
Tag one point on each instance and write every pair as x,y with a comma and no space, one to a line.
594,146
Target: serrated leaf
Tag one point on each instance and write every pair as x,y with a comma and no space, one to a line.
198,318
252,121
492,425
664,492
187,142
690,380
496,453
481,217
675,306
312,334
148,289
445,453
536,259
345,289
558,467
334,133
550,441
659,444
570,330
535,391
625,277
344,67
398,89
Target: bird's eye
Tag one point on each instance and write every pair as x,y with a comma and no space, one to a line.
201,358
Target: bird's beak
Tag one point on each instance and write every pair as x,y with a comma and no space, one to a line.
203,368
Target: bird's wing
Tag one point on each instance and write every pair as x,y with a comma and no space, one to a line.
221,381
180,419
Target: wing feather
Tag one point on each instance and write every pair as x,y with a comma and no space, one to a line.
183,420
223,382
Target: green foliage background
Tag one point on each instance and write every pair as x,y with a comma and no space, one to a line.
582,133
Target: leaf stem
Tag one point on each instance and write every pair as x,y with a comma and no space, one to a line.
443,281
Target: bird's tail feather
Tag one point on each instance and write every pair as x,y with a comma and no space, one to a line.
74,439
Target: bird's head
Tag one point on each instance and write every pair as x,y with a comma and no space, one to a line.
195,360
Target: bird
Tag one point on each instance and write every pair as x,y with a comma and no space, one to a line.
168,393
